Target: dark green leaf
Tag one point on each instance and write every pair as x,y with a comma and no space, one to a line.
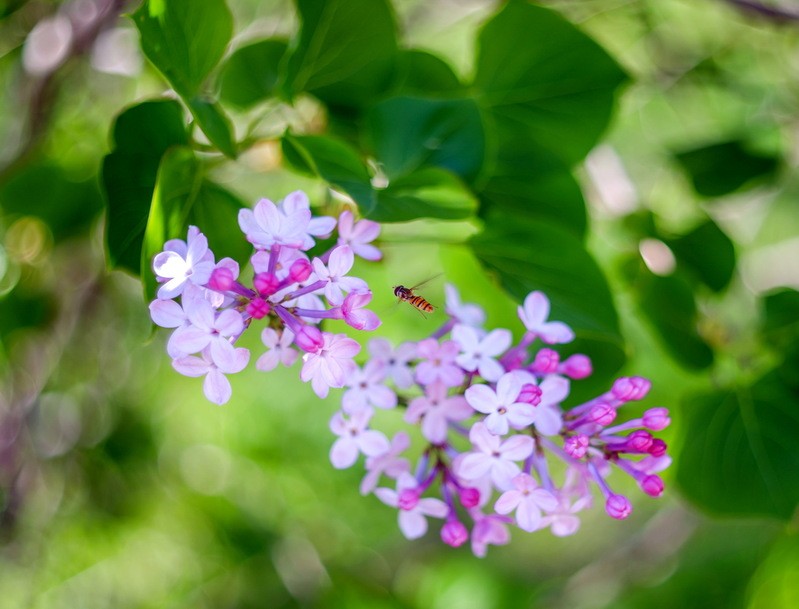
531,254
251,74
425,74
430,192
407,133
782,316
44,190
669,304
720,169
708,252
346,51
739,454
183,197
184,39
527,181
141,135
215,124
334,161
545,79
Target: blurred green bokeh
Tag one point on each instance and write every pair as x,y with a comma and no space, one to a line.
120,486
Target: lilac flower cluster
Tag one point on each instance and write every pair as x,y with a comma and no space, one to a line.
290,292
495,435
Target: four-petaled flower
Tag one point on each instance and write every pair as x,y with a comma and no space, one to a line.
501,406
266,226
183,261
280,351
216,387
354,438
477,354
331,364
367,388
396,360
335,274
412,507
436,409
528,500
534,315
388,463
438,362
359,235
494,457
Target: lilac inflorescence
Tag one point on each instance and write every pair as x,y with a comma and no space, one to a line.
210,308
498,447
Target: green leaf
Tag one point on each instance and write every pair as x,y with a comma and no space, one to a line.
184,196
527,181
215,124
430,192
669,304
184,39
708,252
424,74
726,167
141,135
251,74
407,133
739,454
346,51
781,323
545,79
530,254
334,161
46,191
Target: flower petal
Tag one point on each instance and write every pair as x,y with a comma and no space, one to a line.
216,387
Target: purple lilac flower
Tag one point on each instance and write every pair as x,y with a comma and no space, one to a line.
359,235
354,438
466,380
287,296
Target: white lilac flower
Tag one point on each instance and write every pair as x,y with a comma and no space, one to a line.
435,410
534,314
494,456
466,314
216,387
413,509
488,530
397,361
331,364
478,353
527,500
318,226
501,406
367,388
335,274
280,351
549,416
355,438
438,363
388,463
359,235
183,262
265,226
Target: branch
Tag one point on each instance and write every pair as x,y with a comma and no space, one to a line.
772,13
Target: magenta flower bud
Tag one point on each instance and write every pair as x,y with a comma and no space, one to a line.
266,283
656,419
602,414
408,498
221,280
631,388
577,366
309,339
576,446
258,308
639,441
300,270
546,362
657,448
454,533
530,394
469,497
618,507
652,485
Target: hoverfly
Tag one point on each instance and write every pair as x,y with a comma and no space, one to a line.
416,301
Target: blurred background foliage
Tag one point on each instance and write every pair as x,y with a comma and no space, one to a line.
672,247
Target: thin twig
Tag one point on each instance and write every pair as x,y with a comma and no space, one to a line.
773,13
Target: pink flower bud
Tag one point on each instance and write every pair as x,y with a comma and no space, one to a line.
408,498
577,366
618,507
631,388
576,446
258,308
546,362
639,441
656,419
652,485
469,497
454,533
602,414
221,280
300,270
657,448
309,339
530,394
266,284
